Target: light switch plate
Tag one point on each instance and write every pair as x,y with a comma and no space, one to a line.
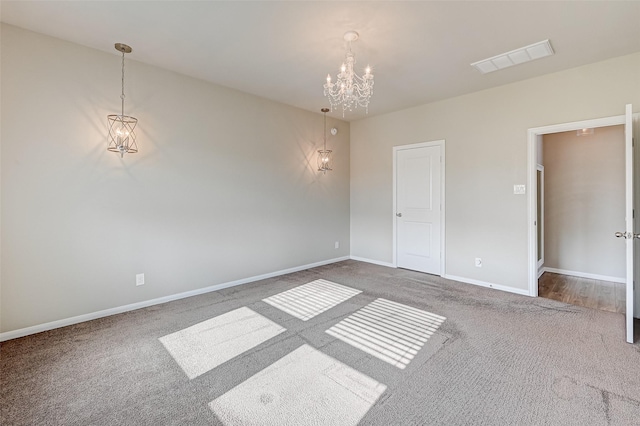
519,189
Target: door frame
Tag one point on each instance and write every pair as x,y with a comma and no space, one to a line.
532,163
441,144
540,219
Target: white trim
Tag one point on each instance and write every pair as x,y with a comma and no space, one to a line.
8,335
455,278
540,220
532,162
442,144
375,262
585,275
520,291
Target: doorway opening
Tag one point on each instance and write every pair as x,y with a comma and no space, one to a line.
626,234
580,181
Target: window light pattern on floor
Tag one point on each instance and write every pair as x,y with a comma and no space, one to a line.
206,345
304,387
306,301
388,330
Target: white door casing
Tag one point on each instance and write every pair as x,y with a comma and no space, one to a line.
418,202
540,215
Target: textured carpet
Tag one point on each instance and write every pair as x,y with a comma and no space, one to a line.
496,358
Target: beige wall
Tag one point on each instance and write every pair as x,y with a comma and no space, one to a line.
584,201
225,185
486,154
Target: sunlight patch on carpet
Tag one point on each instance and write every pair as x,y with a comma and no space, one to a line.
302,387
306,301
206,345
390,331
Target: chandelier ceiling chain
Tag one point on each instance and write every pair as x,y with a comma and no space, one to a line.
122,138
324,155
350,90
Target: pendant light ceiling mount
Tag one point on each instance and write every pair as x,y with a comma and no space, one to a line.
121,47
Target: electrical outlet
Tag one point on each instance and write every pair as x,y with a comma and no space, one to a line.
519,189
337,245
139,279
478,262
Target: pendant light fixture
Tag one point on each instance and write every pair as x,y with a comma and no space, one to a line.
324,154
122,138
350,90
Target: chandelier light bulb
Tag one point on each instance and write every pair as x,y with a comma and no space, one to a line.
122,133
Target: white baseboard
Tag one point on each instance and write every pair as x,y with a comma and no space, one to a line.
375,262
586,275
8,335
489,285
454,278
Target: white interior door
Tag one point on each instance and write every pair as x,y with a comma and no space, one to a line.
629,234
636,202
418,208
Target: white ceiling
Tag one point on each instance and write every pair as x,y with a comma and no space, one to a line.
282,50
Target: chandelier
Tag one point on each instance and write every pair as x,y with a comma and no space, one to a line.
122,138
324,154
351,90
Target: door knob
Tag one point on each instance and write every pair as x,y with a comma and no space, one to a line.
400,215
627,235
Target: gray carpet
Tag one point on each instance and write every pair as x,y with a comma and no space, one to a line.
497,358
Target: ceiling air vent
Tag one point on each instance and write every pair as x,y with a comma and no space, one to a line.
515,57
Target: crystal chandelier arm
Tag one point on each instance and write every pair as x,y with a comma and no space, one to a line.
364,90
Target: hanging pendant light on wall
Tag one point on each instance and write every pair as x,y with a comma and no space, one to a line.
122,138
324,154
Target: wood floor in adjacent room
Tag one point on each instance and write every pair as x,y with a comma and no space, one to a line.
590,293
